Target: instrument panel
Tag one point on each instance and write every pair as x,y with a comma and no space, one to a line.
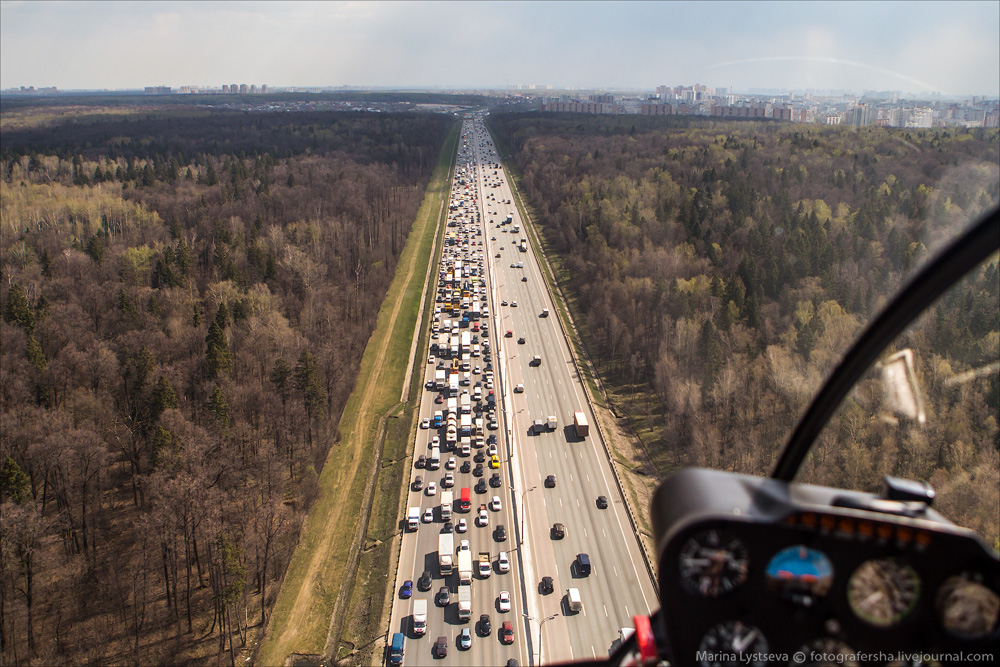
757,571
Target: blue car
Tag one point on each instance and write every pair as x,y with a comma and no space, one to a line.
407,590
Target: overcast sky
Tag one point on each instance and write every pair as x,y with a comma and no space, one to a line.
951,48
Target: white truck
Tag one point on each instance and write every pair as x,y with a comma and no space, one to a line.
485,565
466,404
434,462
419,617
465,567
413,518
552,422
447,499
580,422
446,553
464,603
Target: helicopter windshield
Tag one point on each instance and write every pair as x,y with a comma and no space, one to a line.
928,410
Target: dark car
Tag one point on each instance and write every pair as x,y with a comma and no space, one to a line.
418,482
558,531
466,467
439,399
478,472
441,647
500,534
547,585
481,486
444,596
495,481
602,502
448,527
511,662
407,590
479,457
507,633
485,627
424,582
492,440
550,481
421,461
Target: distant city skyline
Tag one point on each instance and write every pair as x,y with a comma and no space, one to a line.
926,48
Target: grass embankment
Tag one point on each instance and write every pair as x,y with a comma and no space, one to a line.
320,581
614,400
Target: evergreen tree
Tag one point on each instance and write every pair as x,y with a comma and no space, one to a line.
18,310
95,248
308,382
164,398
35,355
217,354
14,483
222,316
218,406
160,442
211,178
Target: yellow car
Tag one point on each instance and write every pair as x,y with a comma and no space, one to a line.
494,462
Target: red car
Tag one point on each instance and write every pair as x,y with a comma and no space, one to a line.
507,633
439,399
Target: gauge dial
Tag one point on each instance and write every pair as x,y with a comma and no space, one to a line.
799,574
825,652
882,592
713,563
733,643
967,608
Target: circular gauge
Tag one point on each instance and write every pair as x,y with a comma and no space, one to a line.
713,563
799,574
733,643
825,652
967,608
882,592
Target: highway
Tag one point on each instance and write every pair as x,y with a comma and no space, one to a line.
619,586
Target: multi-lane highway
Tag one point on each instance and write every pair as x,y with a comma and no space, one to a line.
507,281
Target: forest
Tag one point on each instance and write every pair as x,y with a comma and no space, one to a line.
185,300
720,269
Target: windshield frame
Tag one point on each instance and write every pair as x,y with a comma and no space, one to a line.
951,265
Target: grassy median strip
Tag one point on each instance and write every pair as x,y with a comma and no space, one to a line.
327,556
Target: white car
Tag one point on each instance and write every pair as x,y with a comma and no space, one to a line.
464,545
431,489
450,463
503,563
491,450
503,602
449,480
431,359
519,389
428,515
495,504
462,526
436,440
483,519
425,422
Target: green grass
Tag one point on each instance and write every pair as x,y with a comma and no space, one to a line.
328,552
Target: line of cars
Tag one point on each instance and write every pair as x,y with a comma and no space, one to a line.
461,359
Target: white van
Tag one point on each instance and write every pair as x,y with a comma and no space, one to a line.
573,600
